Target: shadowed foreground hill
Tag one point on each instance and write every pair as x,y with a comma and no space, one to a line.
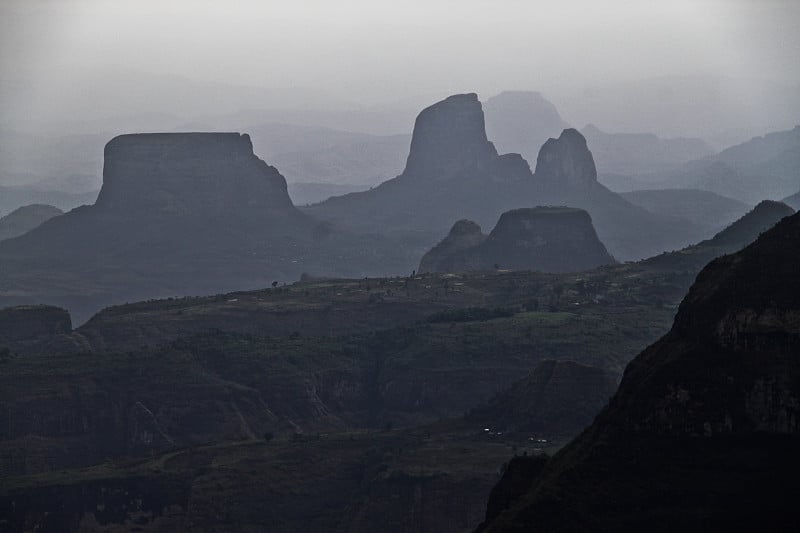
703,433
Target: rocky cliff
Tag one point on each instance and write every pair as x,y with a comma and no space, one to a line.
188,173
549,239
449,138
566,162
703,431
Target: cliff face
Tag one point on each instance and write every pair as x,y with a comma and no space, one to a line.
188,173
449,137
703,431
566,162
549,239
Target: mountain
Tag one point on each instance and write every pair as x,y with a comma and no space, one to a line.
793,200
706,209
640,153
182,213
453,172
26,218
304,193
12,198
521,121
703,431
464,235
761,168
548,239
731,239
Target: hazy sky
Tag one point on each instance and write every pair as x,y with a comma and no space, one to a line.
373,50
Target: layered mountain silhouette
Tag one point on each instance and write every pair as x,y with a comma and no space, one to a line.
731,239
702,433
521,121
706,209
183,213
25,218
793,200
454,172
763,167
549,239
637,153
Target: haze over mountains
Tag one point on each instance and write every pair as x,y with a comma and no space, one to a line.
454,171
159,190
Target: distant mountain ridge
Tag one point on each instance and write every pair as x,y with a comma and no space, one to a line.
637,153
179,213
761,168
26,218
444,181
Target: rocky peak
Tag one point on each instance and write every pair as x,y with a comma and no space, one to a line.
183,173
566,161
449,137
463,235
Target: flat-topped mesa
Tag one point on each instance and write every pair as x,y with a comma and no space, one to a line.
551,239
566,161
183,173
449,137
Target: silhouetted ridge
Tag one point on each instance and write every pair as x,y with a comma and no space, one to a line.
731,239
25,218
745,230
793,201
449,137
